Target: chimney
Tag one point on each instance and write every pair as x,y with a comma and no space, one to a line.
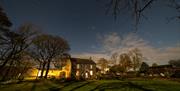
90,58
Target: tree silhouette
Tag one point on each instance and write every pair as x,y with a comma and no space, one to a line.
144,67
114,58
15,45
4,21
136,58
46,48
154,64
175,63
117,69
125,61
137,8
103,63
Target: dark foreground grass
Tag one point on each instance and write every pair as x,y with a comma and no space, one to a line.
95,85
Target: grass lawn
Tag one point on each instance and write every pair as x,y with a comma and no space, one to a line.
95,85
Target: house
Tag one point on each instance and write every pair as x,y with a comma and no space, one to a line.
83,68
75,68
163,70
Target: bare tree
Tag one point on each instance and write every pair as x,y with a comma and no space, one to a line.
61,61
5,24
175,63
136,58
16,43
154,64
24,63
46,48
136,8
125,61
103,63
4,21
114,58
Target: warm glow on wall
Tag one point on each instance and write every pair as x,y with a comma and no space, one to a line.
77,73
86,75
91,72
39,73
34,72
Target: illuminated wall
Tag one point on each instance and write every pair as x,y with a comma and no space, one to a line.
57,73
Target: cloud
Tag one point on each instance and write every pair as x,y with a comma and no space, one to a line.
113,43
168,53
109,42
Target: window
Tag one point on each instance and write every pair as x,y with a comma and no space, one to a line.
91,72
77,73
86,75
91,66
78,66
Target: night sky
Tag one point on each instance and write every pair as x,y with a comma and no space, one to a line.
82,22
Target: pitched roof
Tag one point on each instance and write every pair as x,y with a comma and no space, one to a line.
82,61
162,66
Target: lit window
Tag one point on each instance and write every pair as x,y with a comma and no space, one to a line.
91,66
77,73
91,72
86,75
78,66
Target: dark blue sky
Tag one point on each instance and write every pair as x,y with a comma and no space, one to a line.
81,21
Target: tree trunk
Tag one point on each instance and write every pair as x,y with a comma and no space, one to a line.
6,76
40,65
8,58
47,70
4,63
1,68
42,70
